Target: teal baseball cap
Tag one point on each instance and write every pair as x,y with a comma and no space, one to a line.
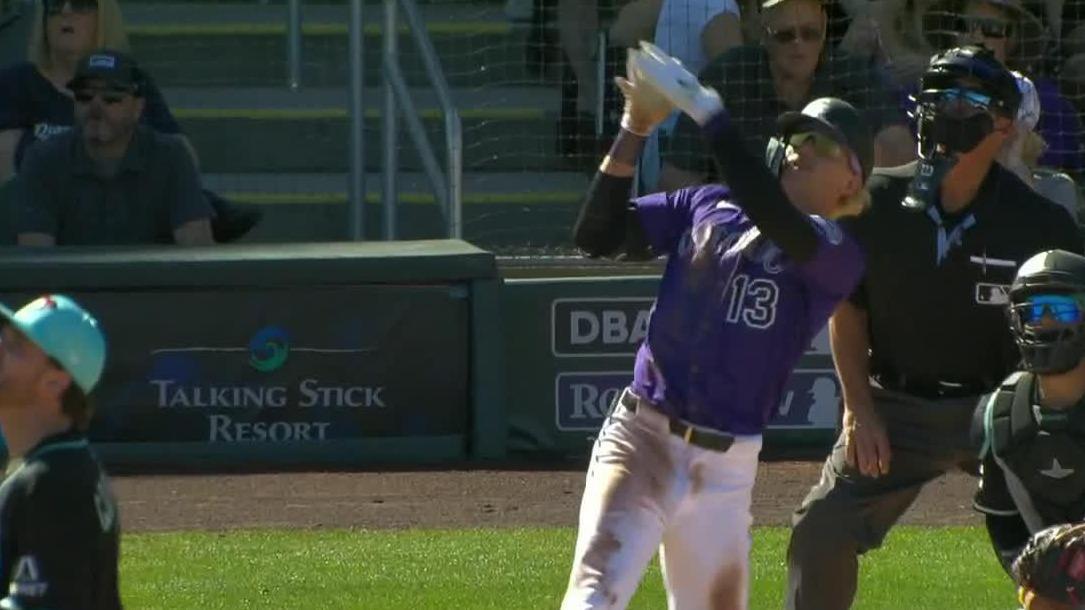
66,333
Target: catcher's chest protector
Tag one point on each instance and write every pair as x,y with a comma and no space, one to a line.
1042,453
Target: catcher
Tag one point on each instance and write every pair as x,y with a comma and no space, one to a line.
1032,433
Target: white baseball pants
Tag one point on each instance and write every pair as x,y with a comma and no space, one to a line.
648,488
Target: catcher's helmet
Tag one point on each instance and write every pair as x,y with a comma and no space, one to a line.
832,117
1047,311
976,68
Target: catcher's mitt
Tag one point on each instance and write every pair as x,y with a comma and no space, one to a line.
1052,566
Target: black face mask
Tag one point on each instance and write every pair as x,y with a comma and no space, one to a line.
941,136
952,134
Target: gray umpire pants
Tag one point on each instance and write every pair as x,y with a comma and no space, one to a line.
847,514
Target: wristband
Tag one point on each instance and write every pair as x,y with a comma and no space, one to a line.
627,124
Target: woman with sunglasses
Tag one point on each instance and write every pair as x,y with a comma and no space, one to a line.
1017,39
1032,428
753,271
34,100
36,104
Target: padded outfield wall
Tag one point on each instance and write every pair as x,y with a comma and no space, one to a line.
363,353
317,353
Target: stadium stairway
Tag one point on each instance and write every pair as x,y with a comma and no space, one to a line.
222,68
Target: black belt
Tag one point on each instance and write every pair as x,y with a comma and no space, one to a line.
932,388
701,437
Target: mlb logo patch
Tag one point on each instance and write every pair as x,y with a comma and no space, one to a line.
992,294
102,61
810,400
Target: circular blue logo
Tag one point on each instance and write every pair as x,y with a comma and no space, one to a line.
268,349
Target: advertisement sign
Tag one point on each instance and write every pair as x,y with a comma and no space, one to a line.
582,400
585,328
282,365
569,348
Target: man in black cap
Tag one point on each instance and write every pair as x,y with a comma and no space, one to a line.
110,180
925,333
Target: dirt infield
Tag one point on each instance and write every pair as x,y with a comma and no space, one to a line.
443,499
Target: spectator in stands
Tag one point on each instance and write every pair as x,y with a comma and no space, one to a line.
1021,153
790,68
110,180
890,33
1017,39
1066,23
35,103
34,100
578,26
694,32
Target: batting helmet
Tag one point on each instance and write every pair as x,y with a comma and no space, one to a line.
832,117
1047,311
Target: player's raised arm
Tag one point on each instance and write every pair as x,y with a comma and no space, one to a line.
607,224
826,151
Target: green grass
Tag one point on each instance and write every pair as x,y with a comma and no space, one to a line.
928,568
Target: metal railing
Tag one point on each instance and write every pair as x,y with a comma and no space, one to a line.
448,185
356,181
293,44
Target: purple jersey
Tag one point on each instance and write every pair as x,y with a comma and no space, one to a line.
733,314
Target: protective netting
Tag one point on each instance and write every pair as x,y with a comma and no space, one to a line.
532,79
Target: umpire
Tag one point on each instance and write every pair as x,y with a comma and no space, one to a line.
58,518
925,333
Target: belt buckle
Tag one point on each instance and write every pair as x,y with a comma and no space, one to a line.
688,434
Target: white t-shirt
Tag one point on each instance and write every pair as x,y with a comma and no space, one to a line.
678,30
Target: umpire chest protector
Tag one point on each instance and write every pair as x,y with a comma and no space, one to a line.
1040,451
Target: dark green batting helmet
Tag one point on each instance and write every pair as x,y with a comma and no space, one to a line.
832,117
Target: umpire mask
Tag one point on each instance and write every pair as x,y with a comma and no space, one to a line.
1047,312
953,126
950,122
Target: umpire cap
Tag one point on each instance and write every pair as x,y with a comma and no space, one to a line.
837,119
975,68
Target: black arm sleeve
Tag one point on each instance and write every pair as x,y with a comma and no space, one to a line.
608,224
1008,534
758,192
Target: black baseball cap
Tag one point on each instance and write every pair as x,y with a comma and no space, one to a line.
976,68
837,119
113,67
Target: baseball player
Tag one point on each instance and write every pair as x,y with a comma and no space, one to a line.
1032,428
754,270
58,517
